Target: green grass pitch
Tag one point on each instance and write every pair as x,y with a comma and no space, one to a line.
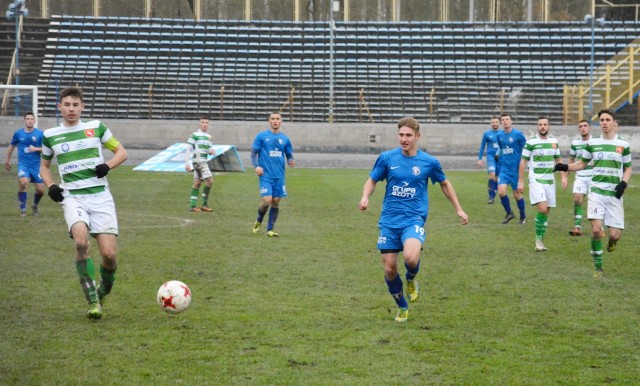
311,306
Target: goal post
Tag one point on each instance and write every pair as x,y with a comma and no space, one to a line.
19,100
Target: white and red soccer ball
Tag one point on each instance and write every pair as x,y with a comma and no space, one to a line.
174,296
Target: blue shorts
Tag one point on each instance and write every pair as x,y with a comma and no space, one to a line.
493,166
30,172
508,179
394,238
274,187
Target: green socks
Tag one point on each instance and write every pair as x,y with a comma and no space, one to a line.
107,277
194,198
205,195
86,274
541,225
577,213
596,252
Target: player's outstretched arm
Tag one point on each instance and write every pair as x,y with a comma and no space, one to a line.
578,165
450,193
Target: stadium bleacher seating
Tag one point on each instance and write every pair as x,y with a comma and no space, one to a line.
170,68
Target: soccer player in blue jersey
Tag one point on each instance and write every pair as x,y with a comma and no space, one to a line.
404,209
510,144
28,141
490,143
268,153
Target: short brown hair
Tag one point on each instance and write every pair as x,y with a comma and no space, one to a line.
410,122
75,92
607,111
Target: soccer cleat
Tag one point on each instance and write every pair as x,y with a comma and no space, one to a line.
34,209
256,227
272,234
205,208
23,213
611,246
576,232
402,315
540,246
194,209
94,311
413,290
507,218
598,273
523,221
491,201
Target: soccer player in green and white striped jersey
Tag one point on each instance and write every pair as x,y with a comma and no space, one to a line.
582,181
611,157
83,192
200,143
541,153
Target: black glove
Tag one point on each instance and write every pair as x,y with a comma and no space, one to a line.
620,189
496,157
55,192
561,168
102,170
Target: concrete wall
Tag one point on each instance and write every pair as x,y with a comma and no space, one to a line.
438,139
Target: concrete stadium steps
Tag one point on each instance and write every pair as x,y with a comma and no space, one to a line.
468,67
32,49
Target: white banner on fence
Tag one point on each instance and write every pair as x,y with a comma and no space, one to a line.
172,159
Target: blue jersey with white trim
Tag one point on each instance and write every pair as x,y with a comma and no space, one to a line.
510,147
406,200
272,150
22,140
490,141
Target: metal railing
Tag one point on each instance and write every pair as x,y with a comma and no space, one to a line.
615,84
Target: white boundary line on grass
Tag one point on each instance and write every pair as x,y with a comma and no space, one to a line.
183,222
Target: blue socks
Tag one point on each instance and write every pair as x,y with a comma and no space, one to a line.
261,213
520,203
411,272
493,188
273,216
395,289
22,198
505,204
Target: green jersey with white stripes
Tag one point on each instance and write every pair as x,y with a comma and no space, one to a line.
542,155
609,157
577,146
201,143
78,150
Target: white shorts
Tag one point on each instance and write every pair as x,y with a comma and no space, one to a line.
542,192
606,208
201,171
581,185
96,210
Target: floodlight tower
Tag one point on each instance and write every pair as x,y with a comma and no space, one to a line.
335,7
17,10
591,19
